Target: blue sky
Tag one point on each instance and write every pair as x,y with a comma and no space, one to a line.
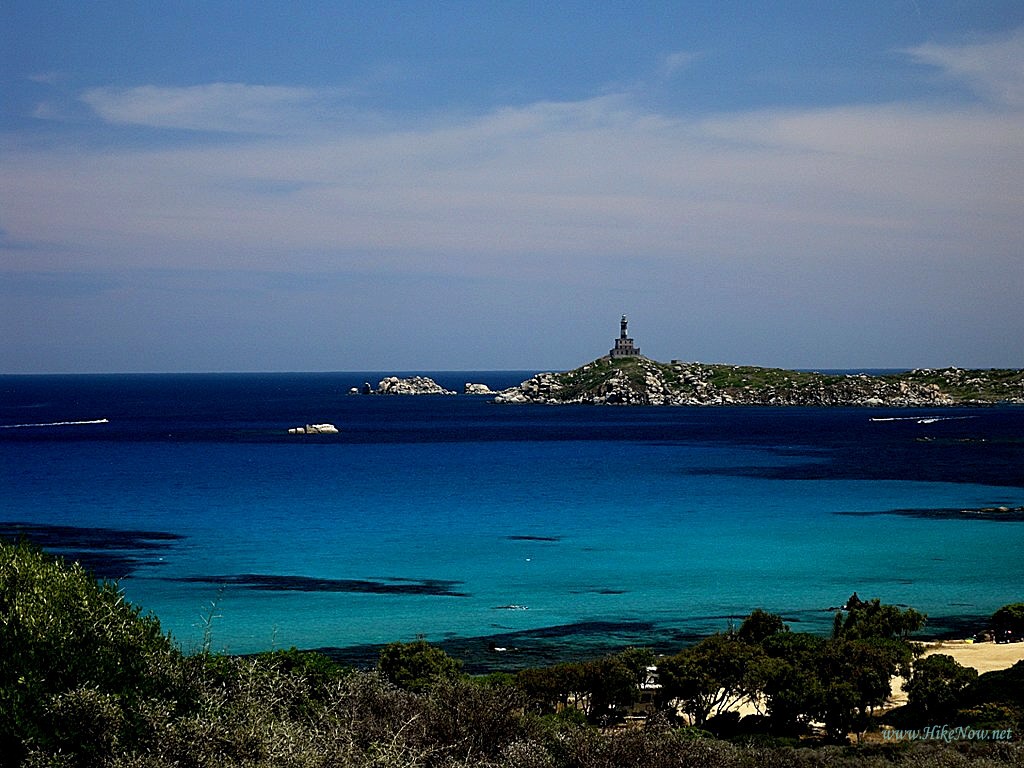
213,186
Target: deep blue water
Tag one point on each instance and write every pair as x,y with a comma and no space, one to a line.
551,531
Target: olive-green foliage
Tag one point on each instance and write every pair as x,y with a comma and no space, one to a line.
760,625
465,717
790,680
730,377
996,700
1004,685
856,678
938,687
796,678
316,670
610,684
640,748
711,677
1009,618
551,689
69,644
416,666
600,687
873,619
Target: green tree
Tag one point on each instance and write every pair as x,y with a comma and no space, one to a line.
417,666
938,687
711,677
759,625
839,681
871,618
610,683
793,695
597,687
1009,618
550,689
856,678
637,660
789,678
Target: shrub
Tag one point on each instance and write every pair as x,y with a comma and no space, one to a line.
416,666
473,720
1008,621
938,686
70,643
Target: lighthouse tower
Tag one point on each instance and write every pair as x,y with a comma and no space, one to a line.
624,345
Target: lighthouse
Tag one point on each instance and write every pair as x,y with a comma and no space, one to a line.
624,345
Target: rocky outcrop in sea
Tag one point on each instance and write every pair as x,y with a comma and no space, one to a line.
413,385
314,429
640,381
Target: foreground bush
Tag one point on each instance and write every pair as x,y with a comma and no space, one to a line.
77,661
417,666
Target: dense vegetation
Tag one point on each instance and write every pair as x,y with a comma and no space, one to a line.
88,680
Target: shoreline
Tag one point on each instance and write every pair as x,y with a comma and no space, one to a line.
984,657
513,651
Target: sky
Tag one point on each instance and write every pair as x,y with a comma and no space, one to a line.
403,186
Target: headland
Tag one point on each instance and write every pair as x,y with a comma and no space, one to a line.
625,377
641,381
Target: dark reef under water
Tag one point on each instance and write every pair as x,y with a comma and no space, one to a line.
108,553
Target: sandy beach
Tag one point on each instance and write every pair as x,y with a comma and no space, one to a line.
984,657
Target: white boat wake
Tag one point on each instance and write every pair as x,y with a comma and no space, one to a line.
55,424
929,420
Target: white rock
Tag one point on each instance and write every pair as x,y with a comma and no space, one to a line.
414,385
314,429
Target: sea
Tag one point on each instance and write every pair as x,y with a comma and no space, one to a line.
510,535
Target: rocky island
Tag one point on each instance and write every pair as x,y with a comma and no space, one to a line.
417,385
412,385
625,377
639,381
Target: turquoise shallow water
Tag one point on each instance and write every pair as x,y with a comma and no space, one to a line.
550,531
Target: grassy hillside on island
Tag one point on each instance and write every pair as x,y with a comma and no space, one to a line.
641,381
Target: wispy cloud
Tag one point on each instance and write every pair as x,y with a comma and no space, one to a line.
218,107
676,62
47,78
575,180
994,68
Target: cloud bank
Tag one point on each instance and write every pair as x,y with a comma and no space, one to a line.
907,203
